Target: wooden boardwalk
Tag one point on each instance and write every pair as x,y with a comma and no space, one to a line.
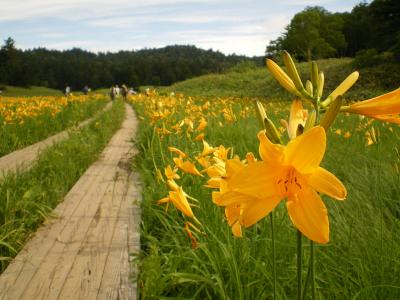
83,252
22,159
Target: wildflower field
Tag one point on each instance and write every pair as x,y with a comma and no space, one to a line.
27,120
232,191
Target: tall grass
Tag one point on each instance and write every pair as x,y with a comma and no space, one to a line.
27,199
361,261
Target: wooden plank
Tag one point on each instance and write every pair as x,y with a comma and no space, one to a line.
85,275
84,253
37,248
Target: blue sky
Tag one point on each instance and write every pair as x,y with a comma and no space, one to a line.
241,27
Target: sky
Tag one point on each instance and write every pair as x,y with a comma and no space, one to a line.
241,27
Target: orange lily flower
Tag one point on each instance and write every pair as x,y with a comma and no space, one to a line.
186,166
385,107
177,151
171,173
290,172
179,199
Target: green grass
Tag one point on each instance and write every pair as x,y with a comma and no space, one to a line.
258,82
27,199
34,129
13,91
361,261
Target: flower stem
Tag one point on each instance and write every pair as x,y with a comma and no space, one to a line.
299,264
312,262
273,254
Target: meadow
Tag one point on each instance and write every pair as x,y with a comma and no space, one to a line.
27,120
196,256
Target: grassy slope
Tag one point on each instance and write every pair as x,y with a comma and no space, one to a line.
12,91
259,83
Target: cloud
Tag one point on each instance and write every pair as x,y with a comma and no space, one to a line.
243,27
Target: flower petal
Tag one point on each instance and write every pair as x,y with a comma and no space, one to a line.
237,229
326,183
309,214
231,198
256,210
256,180
269,152
307,150
388,103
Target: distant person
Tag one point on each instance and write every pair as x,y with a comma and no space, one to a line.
124,92
85,90
67,90
112,93
117,90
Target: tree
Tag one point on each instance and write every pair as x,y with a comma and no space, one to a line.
312,33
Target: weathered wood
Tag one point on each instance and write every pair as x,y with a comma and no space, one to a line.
83,253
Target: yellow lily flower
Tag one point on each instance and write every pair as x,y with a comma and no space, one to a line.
186,166
171,173
202,124
298,116
385,107
199,137
177,151
290,172
207,149
178,198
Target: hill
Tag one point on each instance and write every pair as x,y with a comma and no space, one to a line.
77,67
258,82
12,91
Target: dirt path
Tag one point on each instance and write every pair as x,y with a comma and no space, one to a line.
83,253
22,159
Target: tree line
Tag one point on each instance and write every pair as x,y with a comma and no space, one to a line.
77,67
370,30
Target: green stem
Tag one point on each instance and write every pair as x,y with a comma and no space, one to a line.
299,264
312,262
273,254
307,280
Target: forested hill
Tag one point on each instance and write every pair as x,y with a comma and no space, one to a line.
76,67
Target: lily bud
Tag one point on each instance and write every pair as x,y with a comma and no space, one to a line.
292,71
321,80
332,113
310,123
314,78
271,131
309,87
282,77
342,88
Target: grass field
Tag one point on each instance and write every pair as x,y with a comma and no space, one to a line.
27,199
180,262
12,91
258,82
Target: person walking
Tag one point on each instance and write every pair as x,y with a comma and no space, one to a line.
124,92
67,90
112,93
